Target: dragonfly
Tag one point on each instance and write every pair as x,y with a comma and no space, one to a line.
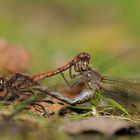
122,91
16,85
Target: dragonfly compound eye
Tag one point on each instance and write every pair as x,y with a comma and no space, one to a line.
1,83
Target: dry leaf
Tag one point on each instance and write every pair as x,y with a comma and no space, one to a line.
72,92
104,125
13,59
49,106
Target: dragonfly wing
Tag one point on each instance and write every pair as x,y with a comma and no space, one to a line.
124,91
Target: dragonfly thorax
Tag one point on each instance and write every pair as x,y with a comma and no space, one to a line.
92,77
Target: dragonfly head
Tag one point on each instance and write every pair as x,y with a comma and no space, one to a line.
84,61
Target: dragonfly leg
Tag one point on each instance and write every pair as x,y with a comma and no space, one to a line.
84,96
12,79
72,76
69,84
77,67
25,92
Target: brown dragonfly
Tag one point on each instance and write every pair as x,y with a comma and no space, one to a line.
20,86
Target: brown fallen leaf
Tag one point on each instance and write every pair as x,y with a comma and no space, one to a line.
103,125
49,106
13,58
72,92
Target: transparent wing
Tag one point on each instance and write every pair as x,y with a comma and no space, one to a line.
131,86
124,91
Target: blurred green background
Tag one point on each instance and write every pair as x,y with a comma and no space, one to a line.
55,31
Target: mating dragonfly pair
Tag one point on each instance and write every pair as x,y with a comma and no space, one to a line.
121,91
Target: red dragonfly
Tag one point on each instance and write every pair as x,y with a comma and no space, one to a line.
20,84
